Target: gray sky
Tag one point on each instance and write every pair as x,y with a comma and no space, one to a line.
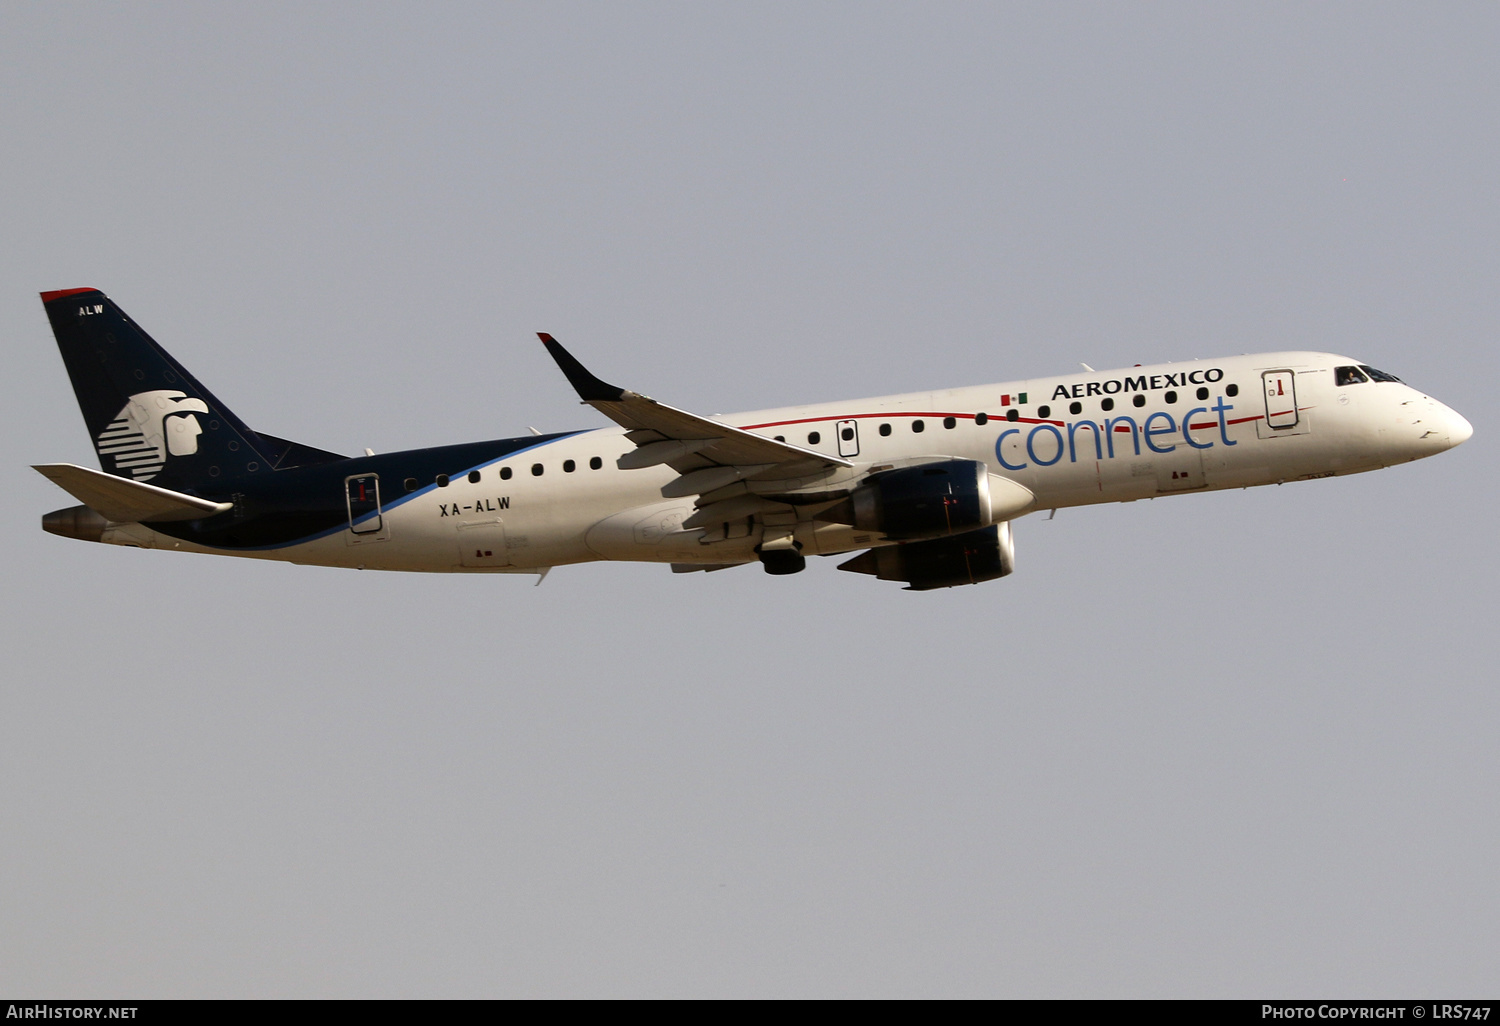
1239,744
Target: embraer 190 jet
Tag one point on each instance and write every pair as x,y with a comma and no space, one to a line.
921,487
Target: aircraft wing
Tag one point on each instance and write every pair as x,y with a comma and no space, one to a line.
125,501
706,453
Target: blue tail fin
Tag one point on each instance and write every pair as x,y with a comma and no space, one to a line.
150,420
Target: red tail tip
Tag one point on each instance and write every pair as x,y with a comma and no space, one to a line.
48,297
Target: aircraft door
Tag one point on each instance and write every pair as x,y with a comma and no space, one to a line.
848,432
1182,471
1281,398
362,494
483,544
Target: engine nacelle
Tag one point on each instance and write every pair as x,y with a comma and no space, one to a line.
970,558
926,501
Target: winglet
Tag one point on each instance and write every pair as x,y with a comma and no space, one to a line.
589,388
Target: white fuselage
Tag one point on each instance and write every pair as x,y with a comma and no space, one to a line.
1108,436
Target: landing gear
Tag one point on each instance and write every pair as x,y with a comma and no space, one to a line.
783,561
780,553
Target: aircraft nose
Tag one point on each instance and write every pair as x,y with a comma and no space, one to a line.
1428,428
1459,429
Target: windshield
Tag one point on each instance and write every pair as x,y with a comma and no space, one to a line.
1378,375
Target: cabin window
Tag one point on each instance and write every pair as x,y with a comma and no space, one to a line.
1012,414
1231,390
1348,376
781,438
981,419
885,429
442,480
505,473
1075,408
1377,375
1107,404
1202,393
847,434
813,438
1044,412
1171,397
595,463
950,423
918,427
473,477
536,470
1139,399
411,484
569,466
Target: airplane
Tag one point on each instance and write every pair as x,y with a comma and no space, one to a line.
921,488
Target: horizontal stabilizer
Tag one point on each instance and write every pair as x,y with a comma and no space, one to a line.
125,501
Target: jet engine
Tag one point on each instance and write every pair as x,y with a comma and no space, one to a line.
970,558
925,501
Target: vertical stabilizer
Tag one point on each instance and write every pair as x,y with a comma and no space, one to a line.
149,419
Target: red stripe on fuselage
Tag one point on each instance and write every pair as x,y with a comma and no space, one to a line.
856,416
970,416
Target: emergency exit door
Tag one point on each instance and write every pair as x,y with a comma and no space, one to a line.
363,496
1281,398
848,432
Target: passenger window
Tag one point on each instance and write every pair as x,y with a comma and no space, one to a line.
917,426
1044,412
981,419
569,466
536,470
1139,400
595,463
411,484
885,429
1107,404
505,473
1348,376
1012,414
847,434
1376,375
1075,408
1231,390
950,423
442,480
473,477
1203,393
1170,397
781,438
813,438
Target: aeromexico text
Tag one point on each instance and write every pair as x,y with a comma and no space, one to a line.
1144,383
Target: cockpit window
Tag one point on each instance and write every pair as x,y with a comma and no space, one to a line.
1379,375
1348,376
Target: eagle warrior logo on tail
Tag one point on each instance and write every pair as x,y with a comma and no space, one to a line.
150,427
